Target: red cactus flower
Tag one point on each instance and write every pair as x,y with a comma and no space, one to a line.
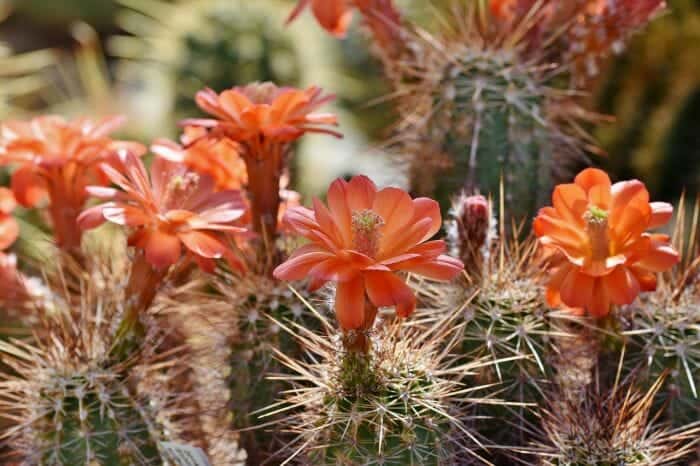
175,207
56,160
604,254
333,15
264,120
360,241
219,159
381,16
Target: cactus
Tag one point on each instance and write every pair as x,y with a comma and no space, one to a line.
503,315
235,343
84,415
616,427
480,105
73,399
662,329
402,403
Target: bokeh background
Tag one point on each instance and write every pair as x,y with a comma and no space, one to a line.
147,58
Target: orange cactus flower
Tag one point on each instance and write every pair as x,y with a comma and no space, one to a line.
176,207
603,254
333,15
360,241
9,229
264,120
381,16
56,160
219,159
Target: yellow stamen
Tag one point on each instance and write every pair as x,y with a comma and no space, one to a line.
365,231
598,235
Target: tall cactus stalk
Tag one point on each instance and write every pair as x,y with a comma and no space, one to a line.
400,403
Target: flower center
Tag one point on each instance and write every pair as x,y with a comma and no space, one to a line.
179,190
261,93
597,229
365,231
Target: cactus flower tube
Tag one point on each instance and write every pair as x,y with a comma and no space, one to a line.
360,241
604,255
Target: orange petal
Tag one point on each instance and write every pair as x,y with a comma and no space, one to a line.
647,281
298,267
591,177
333,15
162,249
234,103
600,196
659,258
570,202
444,268
631,223
334,269
350,303
599,304
340,210
626,194
91,218
325,221
124,214
553,232
301,220
203,244
9,230
7,201
661,213
29,188
360,193
576,289
387,290
406,239
622,285
396,209
427,208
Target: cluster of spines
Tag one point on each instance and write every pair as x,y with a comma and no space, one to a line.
402,403
69,399
610,427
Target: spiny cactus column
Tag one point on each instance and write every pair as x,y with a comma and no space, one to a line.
91,417
398,404
664,338
238,338
612,428
502,312
479,106
489,116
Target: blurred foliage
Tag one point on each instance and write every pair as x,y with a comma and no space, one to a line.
207,43
99,13
653,90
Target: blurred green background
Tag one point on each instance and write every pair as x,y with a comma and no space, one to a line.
146,58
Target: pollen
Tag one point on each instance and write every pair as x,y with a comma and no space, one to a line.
366,233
